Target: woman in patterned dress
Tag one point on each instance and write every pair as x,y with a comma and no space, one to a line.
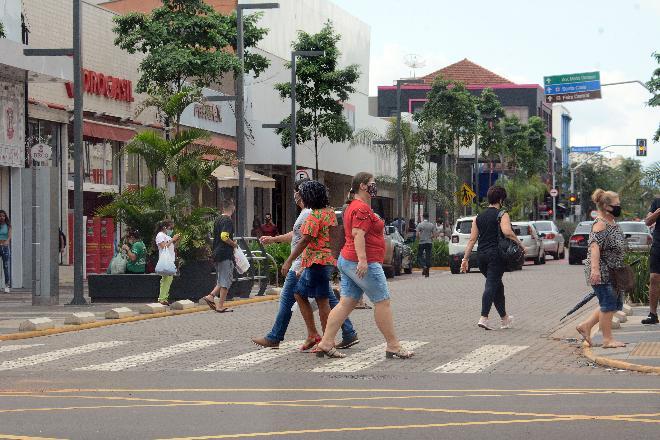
317,260
606,251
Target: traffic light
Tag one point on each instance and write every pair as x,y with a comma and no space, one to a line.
641,147
573,199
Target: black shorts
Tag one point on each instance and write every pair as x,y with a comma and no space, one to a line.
654,260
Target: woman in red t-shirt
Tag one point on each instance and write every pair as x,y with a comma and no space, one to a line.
361,268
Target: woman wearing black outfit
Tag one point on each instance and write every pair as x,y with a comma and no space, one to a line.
485,229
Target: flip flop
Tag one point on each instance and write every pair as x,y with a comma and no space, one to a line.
332,353
210,303
225,310
585,336
310,343
619,345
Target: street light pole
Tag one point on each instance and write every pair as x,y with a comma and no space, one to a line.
294,128
399,152
241,202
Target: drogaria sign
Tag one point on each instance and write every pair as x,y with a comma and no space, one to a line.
111,87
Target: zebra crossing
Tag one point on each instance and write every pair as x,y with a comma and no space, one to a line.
357,359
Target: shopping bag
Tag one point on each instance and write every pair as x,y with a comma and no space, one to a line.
165,265
241,261
118,264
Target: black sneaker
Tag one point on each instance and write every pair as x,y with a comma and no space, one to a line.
652,319
347,343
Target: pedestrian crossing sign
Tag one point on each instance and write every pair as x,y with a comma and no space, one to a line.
466,194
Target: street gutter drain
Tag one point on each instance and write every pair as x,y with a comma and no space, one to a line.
646,349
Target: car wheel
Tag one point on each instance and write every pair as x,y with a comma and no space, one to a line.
562,254
397,266
389,271
542,258
408,270
454,269
537,260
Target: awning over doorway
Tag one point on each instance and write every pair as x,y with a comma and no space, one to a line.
105,131
228,177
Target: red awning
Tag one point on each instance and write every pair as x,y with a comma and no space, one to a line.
111,132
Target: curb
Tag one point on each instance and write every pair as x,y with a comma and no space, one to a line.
615,363
108,322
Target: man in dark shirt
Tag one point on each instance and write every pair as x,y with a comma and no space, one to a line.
654,263
223,255
269,228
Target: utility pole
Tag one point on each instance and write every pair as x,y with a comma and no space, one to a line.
399,152
241,202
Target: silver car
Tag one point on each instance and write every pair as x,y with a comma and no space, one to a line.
530,239
553,239
638,235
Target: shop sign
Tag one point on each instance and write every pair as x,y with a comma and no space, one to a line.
12,150
41,153
111,87
210,112
216,118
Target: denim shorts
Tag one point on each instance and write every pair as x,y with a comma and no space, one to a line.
314,282
374,283
607,298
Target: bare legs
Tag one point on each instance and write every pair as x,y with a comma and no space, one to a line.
604,319
385,323
220,292
654,292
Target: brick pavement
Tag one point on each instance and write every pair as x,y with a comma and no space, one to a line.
438,313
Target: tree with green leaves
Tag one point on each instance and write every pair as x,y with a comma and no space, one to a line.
321,89
415,163
186,45
448,122
491,138
534,157
654,87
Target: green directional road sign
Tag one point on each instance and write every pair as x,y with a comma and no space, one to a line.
571,78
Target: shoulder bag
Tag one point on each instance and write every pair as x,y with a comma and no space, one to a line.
510,252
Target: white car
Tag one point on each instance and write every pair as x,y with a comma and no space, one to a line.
553,239
530,239
638,235
459,239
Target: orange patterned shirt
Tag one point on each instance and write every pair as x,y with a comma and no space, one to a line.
317,225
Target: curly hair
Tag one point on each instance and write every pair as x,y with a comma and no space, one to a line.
314,194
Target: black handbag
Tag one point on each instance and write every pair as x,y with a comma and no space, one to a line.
510,252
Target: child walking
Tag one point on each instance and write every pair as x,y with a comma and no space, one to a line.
317,260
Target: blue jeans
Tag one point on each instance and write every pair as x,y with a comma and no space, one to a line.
373,284
608,299
287,300
5,254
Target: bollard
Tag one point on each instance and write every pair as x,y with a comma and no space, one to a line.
182,305
150,309
79,318
119,312
35,324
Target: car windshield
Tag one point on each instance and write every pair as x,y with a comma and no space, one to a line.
464,227
583,228
522,230
543,226
634,227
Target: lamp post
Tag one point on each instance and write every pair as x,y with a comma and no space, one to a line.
399,154
240,112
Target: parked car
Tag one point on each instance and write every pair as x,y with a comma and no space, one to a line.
638,235
459,239
401,250
533,243
553,239
577,244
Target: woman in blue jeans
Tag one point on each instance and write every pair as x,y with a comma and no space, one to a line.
485,229
5,252
360,265
607,247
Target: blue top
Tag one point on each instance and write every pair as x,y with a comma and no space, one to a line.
4,232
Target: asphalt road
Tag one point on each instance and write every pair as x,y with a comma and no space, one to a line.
199,377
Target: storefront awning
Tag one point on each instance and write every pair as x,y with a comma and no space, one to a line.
110,132
228,177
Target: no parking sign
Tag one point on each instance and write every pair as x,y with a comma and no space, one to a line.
304,173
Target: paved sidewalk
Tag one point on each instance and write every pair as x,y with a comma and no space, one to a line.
642,352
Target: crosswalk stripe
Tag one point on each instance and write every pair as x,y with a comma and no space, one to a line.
480,359
151,356
363,359
57,354
7,348
252,358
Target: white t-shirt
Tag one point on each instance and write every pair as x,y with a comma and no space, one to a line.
163,237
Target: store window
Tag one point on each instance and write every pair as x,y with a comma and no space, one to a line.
137,173
101,161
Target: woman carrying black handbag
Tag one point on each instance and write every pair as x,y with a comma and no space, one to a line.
486,229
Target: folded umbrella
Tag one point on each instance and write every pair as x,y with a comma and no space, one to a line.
588,297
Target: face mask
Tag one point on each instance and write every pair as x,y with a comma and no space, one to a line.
372,190
616,210
169,232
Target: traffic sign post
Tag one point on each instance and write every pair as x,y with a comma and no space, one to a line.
554,193
572,87
466,194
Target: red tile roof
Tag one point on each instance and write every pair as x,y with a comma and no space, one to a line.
468,73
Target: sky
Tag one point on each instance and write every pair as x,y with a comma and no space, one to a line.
524,41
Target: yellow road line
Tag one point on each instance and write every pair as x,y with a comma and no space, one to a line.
371,428
24,437
108,322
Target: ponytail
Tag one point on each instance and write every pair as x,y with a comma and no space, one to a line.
351,197
358,179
